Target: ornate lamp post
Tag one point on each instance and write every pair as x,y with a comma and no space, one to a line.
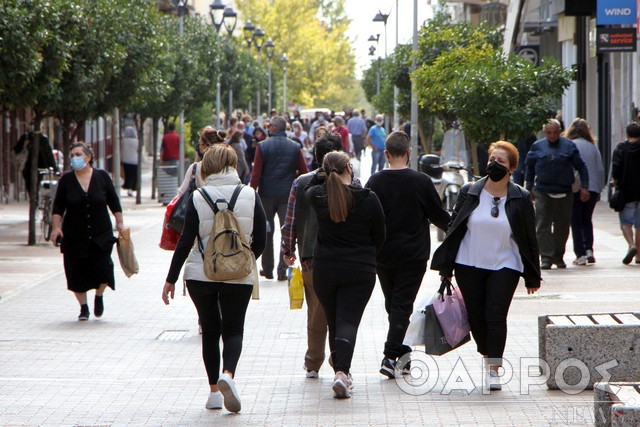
284,60
258,38
247,32
269,48
382,17
372,52
216,10
230,20
181,5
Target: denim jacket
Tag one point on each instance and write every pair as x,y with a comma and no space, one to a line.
552,165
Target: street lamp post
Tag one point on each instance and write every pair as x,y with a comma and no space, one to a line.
414,95
269,48
372,52
181,5
396,119
284,60
247,32
216,10
258,38
230,21
382,17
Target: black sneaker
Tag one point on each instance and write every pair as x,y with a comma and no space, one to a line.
388,368
545,265
629,256
84,312
561,264
98,306
266,275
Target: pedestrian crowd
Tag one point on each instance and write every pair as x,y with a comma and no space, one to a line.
344,234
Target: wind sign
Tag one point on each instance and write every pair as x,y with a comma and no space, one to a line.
617,12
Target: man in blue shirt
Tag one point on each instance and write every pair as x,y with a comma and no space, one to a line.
549,177
376,138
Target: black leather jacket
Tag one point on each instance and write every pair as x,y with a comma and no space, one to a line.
520,213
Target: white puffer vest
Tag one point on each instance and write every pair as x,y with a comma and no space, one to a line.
220,185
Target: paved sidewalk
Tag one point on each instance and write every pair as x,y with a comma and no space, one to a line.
140,364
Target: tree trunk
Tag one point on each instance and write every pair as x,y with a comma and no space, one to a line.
140,125
154,164
33,170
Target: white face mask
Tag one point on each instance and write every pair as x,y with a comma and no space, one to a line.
379,123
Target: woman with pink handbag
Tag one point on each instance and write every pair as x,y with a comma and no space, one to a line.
490,244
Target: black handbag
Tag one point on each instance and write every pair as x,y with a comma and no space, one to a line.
435,342
176,220
616,200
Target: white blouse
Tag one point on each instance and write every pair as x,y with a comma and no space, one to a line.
489,243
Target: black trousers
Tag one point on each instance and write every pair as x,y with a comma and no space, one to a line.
130,176
273,206
344,296
581,223
221,308
400,286
487,296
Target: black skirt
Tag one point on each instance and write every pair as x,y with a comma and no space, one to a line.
89,272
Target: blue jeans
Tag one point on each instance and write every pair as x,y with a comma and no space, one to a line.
377,159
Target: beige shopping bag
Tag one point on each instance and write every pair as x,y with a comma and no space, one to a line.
126,254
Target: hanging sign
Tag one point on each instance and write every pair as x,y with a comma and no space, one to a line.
617,12
616,40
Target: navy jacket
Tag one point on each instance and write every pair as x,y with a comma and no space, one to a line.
551,166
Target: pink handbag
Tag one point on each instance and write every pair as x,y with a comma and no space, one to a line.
451,312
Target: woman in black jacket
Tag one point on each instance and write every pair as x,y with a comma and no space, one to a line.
490,244
351,231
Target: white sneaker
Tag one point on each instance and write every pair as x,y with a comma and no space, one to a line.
214,401
582,260
342,385
227,387
312,374
494,380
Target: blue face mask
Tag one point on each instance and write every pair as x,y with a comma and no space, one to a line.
78,163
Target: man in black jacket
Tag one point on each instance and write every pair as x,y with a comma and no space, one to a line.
627,179
410,201
45,155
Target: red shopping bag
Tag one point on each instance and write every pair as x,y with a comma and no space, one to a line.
170,237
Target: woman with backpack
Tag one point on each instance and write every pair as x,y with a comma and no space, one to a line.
351,231
221,304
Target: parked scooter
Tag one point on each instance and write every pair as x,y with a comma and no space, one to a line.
449,171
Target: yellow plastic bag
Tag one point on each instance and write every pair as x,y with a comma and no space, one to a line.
296,288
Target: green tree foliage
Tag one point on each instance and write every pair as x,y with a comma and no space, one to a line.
313,34
34,49
492,95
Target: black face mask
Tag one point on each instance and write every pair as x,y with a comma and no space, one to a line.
496,171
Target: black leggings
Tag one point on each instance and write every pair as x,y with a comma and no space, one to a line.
221,308
344,296
487,296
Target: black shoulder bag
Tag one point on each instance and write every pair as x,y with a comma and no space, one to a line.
616,200
176,220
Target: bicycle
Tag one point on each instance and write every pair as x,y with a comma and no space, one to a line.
47,192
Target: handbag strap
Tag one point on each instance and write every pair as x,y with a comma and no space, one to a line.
447,286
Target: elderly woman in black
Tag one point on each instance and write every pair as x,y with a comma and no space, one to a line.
490,244
84,198
351,231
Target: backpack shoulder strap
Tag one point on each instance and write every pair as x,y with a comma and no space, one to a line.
234,197
209,201
193,170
